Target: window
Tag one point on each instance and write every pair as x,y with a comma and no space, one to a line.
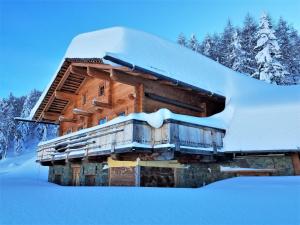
102,120
83,99
101,90
121,114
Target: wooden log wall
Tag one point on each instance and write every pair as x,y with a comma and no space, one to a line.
103,93
112,107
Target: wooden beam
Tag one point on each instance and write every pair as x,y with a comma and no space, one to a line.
167,82
98,65
100,104
66,119
65,76
173,102
132,96
138,98
64,95
97,73
82,112
50,116
122,77
144,75
79,70
47,106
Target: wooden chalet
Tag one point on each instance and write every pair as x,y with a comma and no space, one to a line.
99,142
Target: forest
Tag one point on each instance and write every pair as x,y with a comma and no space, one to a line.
265,50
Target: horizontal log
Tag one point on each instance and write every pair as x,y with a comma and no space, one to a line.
50,116
98,73
122,77
79,70
100,104
66,119
64,95
82,112
173,102
132,96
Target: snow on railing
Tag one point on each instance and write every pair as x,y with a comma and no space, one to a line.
133,134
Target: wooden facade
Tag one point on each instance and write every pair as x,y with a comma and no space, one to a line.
87,92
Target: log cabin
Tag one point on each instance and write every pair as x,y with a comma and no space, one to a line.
136,110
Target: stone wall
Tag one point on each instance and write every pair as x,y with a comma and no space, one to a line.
157,177
65,173
90,174
195,175
199,174
94,169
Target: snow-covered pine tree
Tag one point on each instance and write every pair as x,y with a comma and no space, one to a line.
269,56
210,47
3,133
193,43
206,46
237,57
181,40
15,136
294,57
9,108
284,35
248,43
27,131
226,47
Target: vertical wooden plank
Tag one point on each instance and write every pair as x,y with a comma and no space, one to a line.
174,136
109,176
137,176
141,98
296,163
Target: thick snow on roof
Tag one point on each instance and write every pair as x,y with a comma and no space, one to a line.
258,115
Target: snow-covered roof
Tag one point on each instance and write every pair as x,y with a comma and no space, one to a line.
258,115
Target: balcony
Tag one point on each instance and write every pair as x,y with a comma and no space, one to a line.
131,136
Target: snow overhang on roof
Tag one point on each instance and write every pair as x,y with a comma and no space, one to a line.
259,116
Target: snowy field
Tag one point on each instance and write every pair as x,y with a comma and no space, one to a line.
27,198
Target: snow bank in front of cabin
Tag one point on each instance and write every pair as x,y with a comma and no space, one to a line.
27,198
258,115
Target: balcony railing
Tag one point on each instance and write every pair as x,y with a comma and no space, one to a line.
132,135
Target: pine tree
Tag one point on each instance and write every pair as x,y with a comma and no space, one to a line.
210,47
269,56
206,46
248,43
14,136
25,131
225,45
181,40
294,66
237,57
193,43
9,108
283,33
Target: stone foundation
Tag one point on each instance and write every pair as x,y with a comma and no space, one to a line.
195,174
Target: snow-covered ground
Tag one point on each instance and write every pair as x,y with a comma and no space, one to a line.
27,198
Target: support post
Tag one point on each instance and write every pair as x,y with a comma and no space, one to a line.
137,174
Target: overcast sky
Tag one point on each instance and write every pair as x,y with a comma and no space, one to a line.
34,35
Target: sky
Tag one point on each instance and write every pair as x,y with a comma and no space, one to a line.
34,35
